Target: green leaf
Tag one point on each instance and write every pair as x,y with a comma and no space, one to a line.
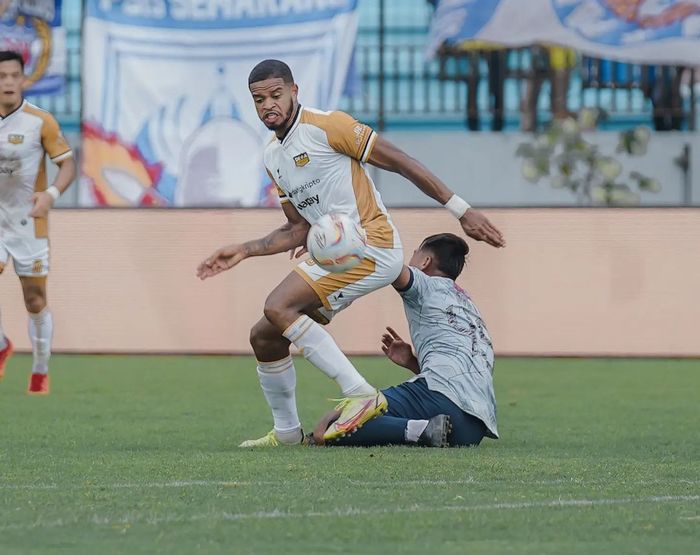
530,171
525,150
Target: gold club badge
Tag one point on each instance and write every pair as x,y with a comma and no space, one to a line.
301,160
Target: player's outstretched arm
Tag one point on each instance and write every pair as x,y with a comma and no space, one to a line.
398,351
388,157
286,237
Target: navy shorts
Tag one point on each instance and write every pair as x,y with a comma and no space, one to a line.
414,401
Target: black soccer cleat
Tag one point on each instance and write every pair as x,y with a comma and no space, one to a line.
436,432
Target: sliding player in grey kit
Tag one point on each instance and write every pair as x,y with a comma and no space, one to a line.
451,399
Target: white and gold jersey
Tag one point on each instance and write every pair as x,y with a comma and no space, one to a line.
26,136
319,166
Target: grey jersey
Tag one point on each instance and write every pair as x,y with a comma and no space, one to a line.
452,344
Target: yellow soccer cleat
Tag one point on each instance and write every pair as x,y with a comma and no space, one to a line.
356,411
270,440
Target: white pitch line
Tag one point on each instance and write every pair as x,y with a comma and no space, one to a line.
387,483
470,480
28,486
554,482
341,512
136,485
184,484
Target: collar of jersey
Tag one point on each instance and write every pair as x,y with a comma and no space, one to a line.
297,117
3,118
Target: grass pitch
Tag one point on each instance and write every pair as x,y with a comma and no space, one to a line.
138,455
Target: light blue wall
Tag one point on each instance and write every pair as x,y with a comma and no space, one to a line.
484,169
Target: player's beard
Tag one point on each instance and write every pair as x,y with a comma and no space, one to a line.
286,122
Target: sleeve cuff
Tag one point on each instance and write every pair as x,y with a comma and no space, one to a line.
61,157
409,284
368,147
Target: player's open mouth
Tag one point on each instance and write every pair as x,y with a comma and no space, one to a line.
270,117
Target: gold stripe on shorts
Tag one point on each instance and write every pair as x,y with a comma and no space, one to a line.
327,285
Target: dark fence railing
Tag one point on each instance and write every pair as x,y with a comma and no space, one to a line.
476,89
517,88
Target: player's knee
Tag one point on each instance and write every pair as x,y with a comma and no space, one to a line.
259,335
276,312
267,341
34,302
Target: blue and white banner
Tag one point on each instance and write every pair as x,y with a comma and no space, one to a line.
167,116
33,28
635,31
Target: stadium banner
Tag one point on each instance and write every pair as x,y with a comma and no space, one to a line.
33,28
167,116
635,31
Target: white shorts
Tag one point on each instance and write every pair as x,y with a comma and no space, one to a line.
337,291
30,256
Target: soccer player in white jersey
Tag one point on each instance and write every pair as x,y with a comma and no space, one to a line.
317,160
27,135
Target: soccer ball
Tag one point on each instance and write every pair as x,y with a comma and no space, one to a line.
336,242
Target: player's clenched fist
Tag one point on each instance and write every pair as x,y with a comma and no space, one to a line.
223,259
41,204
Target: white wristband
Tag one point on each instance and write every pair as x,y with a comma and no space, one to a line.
54,192
457,206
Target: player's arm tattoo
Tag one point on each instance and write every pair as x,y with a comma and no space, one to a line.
290,235
286,237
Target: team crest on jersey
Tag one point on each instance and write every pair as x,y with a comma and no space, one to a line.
15,139
300,160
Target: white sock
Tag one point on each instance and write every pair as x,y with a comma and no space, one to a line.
319,348
278,381
40,334
414,428
3,341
